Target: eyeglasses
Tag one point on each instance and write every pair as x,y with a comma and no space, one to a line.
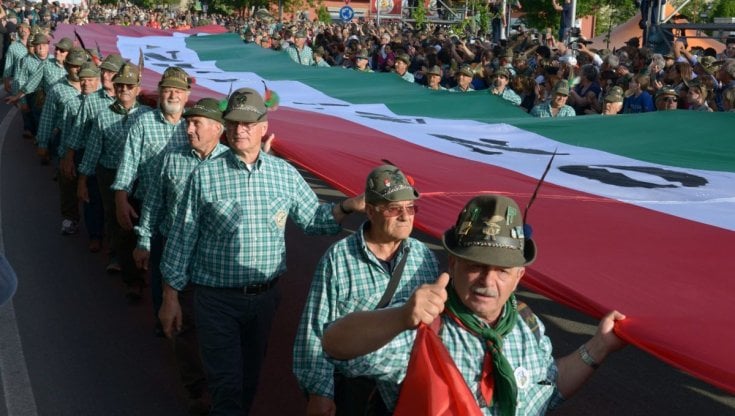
396,210
671,99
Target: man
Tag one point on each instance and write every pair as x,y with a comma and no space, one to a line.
153,134
480,323
50,72
354,274
204,129
401,67
667,99
16,51
464,79
434,78
102,157
557,107
60,105
319,58
228,240
565,20
362,61
299,51
697,97
726,76
75,139
500,79
613,102
31,104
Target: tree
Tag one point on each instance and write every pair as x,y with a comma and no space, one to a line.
540,14
724,8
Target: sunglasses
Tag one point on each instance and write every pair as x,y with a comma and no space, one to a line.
396,210
671,99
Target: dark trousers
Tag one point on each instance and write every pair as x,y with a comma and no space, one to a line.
94,219
68,201
233,336
186,348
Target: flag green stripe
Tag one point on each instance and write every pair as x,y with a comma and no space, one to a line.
680,138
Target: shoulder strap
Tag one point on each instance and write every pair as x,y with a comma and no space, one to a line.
393,283
530,319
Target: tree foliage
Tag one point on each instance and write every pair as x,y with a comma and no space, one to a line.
540,14
724,8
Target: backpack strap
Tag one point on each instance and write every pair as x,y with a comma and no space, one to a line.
530,319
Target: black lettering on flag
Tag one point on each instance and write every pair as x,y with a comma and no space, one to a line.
383,117
602,174
173,54
158,57
493,146
222,80
322,104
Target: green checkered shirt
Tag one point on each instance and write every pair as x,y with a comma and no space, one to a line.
508,95
148,139
304,56
16,51
350,278
23,71
46,75
167,190
230,228
76,138
520,347
544,110
69,111
57,98
107,139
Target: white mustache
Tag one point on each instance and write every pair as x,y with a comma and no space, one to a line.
485,291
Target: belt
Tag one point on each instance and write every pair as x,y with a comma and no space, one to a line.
255,289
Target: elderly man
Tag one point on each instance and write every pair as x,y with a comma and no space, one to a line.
500,80
464,80
434,78
496,344
401,67
30,104
697,97
204,129
362,61
103,155
299,51
228,240
50,72
377,266
153,134
667,99
16,51
613,102
557,106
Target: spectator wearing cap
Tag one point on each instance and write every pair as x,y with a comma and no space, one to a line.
227,239
319,58
613,102
500,80
464,79
15,53
356,274
697,97
637,99
667,98
299,51
152,135
60,106
557,106
204,129
48,73
434,78
401,67
362,61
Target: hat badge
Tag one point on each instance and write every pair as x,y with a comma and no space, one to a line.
492,227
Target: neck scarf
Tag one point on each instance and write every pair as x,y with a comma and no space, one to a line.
497,383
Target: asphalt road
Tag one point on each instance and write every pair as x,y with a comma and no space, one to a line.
87,352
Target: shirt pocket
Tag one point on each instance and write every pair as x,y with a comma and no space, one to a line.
223,217
359,303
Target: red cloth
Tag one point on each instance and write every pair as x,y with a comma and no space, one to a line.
433,385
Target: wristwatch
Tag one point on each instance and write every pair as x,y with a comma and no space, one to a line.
587,358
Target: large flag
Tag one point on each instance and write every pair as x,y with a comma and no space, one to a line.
637,213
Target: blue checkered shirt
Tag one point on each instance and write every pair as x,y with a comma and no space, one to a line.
520,347
230,228
107,139
350,278
508,95
304,56
60,95
167,190
544,110
76,137
46,75
24,69
16,51
148,139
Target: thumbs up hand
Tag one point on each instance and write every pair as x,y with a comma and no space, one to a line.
426,303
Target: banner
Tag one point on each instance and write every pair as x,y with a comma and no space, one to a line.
636,213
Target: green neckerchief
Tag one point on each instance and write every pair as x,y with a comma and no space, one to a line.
118,108
505,389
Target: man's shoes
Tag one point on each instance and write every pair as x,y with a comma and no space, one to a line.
69,227
95,245
113,267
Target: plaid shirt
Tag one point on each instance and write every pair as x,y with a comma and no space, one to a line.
93,104
107,139
520,347
229,230
148,140
16,51
24,69
60,95
304,56
69,112
167,190
350,278
47,74
544,110
509,95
